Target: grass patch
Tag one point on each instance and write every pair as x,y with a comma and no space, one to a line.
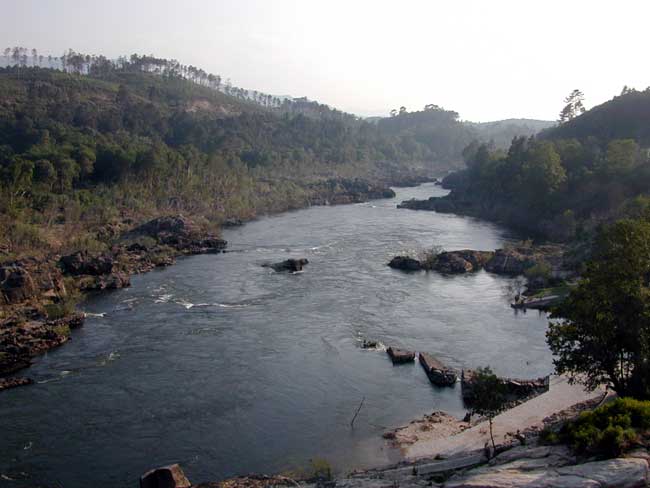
561,291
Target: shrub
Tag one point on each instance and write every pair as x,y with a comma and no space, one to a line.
538,270
548,436
608,430
62,330
321,469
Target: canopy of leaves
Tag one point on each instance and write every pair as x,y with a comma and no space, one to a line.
602,335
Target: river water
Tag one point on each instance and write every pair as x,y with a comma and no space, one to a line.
229,368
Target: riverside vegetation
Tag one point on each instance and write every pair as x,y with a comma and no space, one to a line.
87,156
92,148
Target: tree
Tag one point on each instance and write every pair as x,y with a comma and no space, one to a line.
542,171
601,332
574,106
622,155
488,396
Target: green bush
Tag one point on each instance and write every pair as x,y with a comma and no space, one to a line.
66,306
539,270
608,430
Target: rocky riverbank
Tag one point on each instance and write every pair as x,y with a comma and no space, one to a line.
39,295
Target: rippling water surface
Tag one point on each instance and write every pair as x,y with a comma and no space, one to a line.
229,368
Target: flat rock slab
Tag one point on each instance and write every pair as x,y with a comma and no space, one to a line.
532,413
399,356
613,473
438,373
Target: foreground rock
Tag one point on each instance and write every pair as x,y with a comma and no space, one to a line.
399,356
613,473
165,477
438,373
438,425
290,265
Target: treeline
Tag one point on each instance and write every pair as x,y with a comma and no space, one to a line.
562,184
98,66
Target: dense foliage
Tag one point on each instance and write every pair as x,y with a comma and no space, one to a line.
83,148
488,396
558,187
610,429
603,336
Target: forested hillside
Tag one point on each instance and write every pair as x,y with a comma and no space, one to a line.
560,185
78,150
501,132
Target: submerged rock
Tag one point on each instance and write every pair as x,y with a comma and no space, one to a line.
171,476
290,265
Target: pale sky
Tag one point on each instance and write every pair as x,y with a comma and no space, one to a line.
487,60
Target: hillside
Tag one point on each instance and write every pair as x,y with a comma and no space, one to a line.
564,183
502,132
79,149
626,116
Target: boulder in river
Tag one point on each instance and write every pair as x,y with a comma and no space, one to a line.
399,356
171,476
438,373
405,263
290,265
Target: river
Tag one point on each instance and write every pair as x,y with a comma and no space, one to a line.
229,368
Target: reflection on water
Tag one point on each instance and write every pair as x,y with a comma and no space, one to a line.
228,367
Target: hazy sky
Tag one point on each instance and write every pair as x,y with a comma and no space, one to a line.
485,59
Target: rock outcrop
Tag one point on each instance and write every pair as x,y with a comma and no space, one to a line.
16,284
510,261
84,263
611,473
178,232
165,477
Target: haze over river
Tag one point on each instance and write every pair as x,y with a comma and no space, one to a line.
229,367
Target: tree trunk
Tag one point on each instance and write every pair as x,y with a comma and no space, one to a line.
492,435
